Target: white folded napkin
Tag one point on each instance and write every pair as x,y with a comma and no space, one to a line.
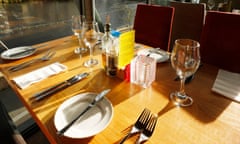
227,84
158,54
26,80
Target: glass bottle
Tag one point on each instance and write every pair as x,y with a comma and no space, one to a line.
107,41
112,55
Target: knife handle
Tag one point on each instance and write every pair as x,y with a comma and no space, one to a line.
48,93
47,90
21,66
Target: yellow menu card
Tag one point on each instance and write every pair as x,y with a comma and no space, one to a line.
126,48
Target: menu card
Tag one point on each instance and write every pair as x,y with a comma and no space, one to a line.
227,84
126,48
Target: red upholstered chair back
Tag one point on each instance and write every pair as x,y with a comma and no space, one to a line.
153,25
188,20
220,40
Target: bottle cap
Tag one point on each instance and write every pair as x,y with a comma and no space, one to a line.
115,33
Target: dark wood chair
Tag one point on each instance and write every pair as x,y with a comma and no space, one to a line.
188,20
9,133
153,25
220,40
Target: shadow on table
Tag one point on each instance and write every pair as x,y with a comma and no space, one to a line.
207,105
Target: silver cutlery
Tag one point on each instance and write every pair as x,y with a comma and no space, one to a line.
22,53
29,49
141,122
45,93
45,57
3,44
148,130
90,105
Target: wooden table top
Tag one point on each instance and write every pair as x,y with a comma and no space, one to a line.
212,119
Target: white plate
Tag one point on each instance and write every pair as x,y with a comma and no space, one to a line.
91,123
7,54
158,55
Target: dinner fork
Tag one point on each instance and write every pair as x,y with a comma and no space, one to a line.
45,57
139,124
148,130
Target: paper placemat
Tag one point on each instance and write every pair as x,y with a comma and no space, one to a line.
26,80
227,84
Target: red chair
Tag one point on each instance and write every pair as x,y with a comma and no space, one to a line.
188,20
220,45
153,25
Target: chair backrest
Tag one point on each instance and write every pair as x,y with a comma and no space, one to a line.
220,40
8,131
188,20
153,25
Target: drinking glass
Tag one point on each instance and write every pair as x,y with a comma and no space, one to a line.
90,35
77,24
210,4
185,59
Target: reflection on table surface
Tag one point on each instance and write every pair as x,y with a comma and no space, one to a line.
211,119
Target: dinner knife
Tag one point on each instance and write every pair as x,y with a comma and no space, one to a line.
90,105
26,51
22,53
39,96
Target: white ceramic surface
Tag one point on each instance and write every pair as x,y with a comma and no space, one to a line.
91,123
7,54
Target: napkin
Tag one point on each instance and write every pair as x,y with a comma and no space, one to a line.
158,54
227,84
26,80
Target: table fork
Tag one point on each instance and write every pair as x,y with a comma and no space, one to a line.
139,124
148,130
45,57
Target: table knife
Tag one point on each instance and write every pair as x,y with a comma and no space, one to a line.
90,105
58,87
26,51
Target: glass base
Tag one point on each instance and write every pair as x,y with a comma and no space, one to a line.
90,63
181,100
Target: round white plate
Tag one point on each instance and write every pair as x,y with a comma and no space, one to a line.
24,51
158,55
92,122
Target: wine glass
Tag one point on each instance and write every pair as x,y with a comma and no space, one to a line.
90,35
185,59
210,4
77,24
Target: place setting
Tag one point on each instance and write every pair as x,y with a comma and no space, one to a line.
18,52
83,115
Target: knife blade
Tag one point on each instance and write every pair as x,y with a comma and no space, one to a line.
90,105
39,96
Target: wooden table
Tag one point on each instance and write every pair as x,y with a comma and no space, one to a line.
212,119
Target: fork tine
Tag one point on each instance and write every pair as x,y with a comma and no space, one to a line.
151,125
52,53
139,124
148,129
143,118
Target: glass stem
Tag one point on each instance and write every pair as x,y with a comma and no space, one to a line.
91,52
182,88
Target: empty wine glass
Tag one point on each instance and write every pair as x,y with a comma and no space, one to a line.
211,4
77,24
90,35
185,59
